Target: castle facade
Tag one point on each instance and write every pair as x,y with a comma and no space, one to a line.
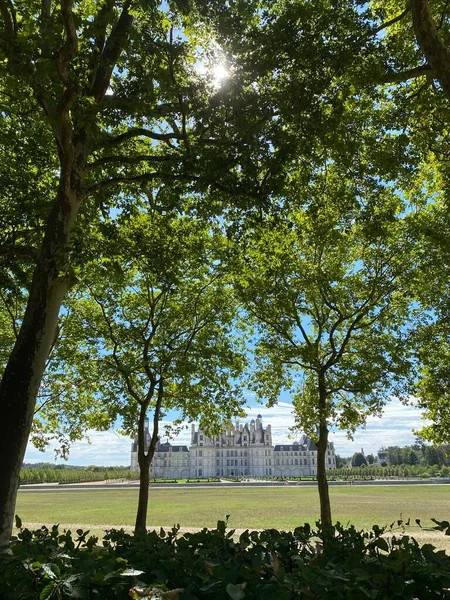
240,450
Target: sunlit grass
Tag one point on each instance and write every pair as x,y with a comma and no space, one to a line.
257,508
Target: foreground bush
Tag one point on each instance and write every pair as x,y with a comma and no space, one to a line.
267,565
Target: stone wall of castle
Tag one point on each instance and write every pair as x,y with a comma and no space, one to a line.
241,450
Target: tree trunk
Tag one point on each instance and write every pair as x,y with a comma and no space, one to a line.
322,445
23,373
433,46
322,483
145,459
144,481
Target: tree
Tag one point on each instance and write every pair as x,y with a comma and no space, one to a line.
432,334
359,460
321,281
340,462
160,334
116,105
412,458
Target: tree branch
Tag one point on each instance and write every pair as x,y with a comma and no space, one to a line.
18,251
71,46
387,24
127,160
436,52
421,71
156,418
141,132
101,185
111,52
8,19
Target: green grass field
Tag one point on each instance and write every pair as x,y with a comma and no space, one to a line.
256,508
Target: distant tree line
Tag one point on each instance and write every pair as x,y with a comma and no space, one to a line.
48,473
389,472
417,460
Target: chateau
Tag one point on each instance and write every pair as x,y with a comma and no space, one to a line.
240,450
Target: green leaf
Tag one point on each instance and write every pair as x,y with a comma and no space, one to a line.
47,592
18,522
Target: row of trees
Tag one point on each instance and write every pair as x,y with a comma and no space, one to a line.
51,475
162,232
400,471
425,455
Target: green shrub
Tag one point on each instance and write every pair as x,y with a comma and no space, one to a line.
214,564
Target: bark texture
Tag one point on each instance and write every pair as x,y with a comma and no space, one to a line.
145,459
23,373
322,482
322,444
433,47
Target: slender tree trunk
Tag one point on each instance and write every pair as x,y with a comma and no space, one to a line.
144,482
145,459
22,377
322,445
322,482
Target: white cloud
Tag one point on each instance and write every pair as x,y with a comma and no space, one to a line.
393,428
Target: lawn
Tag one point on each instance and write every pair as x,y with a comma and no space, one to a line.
254,508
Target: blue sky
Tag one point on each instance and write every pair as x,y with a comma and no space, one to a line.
392,429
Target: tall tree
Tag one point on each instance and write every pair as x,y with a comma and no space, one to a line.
110,92
322,282
160,334
111,109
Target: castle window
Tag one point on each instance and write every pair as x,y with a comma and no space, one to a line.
296,461
200,452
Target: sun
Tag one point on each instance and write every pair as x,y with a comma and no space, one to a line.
219,72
